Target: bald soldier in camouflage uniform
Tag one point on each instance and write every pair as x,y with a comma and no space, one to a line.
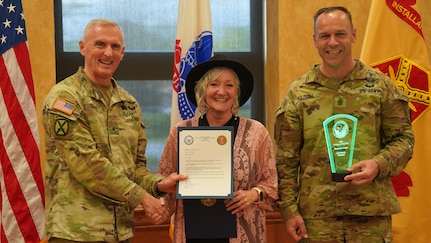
96,172
315,208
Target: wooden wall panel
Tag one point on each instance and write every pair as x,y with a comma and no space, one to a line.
146,232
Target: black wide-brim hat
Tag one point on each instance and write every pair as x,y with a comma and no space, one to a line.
244,75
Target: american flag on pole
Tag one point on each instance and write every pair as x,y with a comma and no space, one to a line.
394,43
22,208
193,45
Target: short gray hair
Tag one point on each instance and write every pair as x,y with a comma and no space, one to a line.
106,22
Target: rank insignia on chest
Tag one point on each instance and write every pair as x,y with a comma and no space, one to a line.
340,101
61,127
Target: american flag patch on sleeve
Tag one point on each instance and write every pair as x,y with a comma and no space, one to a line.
63,106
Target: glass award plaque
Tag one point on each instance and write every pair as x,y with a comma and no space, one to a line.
340,134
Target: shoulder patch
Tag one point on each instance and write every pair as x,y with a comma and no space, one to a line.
63,106
61,127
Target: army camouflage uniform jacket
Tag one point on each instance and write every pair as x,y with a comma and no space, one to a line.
384,134
96,171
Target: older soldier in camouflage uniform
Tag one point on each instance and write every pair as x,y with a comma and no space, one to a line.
317,209
96,171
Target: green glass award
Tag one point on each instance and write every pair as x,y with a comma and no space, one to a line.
340,134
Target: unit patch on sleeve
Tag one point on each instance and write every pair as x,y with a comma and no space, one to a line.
61,127
63,106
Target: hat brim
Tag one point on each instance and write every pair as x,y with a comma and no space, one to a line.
244,75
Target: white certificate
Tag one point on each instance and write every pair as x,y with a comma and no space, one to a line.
205,155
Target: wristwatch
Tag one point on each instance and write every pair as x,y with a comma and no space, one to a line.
259,191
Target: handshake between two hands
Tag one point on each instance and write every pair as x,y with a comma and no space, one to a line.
156,209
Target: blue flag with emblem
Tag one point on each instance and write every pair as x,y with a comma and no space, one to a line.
193,45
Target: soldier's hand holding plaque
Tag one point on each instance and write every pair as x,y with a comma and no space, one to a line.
340,134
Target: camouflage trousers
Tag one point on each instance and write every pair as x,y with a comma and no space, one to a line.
349,229
58,240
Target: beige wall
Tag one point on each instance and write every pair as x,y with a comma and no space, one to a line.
290,50
39,16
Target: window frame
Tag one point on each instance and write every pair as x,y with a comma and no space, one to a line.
159,65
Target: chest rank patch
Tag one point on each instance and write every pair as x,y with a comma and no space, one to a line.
340,101
63,106
61,127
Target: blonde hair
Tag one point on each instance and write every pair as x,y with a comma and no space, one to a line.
202,84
